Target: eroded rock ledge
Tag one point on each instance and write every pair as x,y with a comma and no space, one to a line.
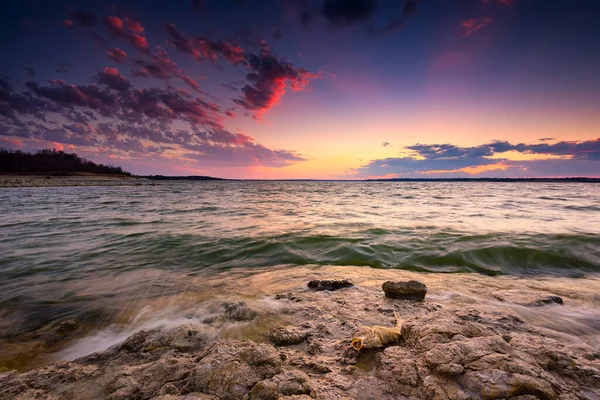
443,354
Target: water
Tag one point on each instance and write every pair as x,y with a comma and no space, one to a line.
94,252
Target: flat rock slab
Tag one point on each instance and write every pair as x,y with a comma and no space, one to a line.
410,290
330,285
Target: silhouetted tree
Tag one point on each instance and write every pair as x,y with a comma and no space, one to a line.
51,161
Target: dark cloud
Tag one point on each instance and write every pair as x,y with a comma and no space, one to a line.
82,18
546,139
12,104
138,124
589,149
117,55
161,66
344,13
503,2
113,80
442,159
341,13
385,144
338,13
204,48
409,9
83,96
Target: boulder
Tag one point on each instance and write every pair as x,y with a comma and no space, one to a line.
411,290
330,285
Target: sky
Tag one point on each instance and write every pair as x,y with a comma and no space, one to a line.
316,89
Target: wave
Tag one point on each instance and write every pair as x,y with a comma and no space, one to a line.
490,254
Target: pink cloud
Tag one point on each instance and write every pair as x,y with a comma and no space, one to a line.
117,55
11,144
472,25
115,25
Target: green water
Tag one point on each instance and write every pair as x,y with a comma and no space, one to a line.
58,244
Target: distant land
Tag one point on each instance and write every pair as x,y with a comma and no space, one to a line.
182,178
571,179
52,162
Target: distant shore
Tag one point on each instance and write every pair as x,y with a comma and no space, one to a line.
78,179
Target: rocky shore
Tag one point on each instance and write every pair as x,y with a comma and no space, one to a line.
71,180
447,350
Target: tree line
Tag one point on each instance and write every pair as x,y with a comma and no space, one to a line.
50,161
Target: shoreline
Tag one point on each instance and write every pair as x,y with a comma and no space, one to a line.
472,334
42,180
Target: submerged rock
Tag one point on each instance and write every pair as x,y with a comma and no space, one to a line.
330,285
239,311
546,301
410,290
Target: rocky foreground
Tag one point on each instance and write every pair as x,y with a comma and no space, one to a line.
445,352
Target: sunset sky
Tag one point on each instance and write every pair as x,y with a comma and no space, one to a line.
321,89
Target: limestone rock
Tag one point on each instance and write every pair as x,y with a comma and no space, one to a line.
284,336
410,290
330,285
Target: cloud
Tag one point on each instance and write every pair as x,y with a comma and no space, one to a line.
70,95
117,55
204,48
344,13
340,13
161,66
81,18
570,157
503,2
11,144
269,80
192,83
589,149
134,26
138,123
385,144
129,30
112,79
472,25
546,139
409,8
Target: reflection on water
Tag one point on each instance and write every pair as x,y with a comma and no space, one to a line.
103,255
